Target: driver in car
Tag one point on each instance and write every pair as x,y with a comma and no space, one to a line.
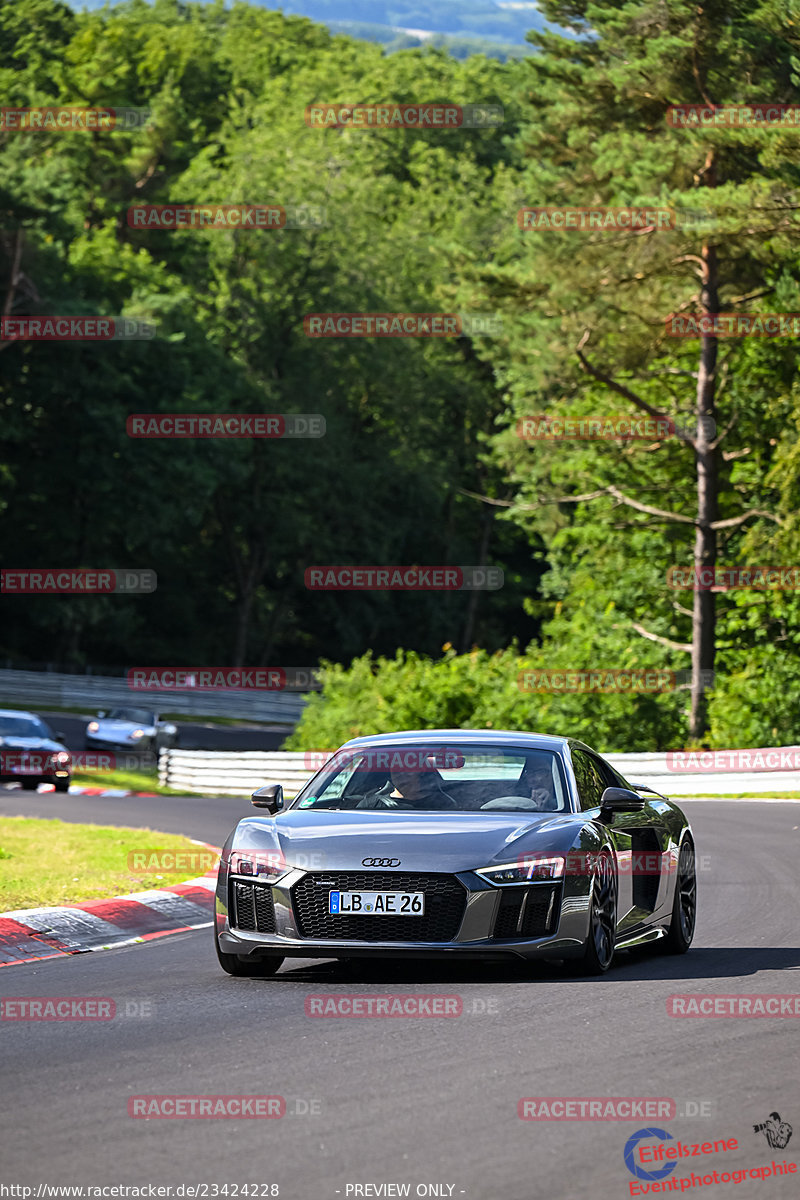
411,789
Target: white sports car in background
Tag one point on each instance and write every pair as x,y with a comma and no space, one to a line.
138,729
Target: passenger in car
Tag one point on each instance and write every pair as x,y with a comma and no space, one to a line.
533,791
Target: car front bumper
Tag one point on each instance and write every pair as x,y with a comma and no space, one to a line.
561,935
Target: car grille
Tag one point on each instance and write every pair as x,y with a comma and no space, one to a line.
445,902
538,919
253,909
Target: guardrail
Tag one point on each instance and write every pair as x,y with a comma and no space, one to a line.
235,774
46,689
222,772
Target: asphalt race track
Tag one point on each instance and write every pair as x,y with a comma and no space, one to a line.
414,1101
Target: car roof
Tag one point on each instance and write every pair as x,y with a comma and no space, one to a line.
485,737
127,707
18,712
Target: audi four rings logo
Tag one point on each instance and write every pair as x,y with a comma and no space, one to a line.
380,862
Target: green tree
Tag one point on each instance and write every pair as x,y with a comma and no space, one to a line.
588,309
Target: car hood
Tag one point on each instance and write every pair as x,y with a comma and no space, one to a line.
438,842
120,728
30,743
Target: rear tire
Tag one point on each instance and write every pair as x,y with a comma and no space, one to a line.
30,785
684,909
598,953
62,785
246,965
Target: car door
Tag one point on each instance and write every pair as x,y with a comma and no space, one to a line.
648,857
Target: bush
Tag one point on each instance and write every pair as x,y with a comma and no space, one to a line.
477,690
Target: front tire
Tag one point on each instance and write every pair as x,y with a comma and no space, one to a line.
245,965
61,785
598,954
684,908
30,785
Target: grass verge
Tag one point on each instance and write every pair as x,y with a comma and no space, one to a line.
131,781
49,862
740,796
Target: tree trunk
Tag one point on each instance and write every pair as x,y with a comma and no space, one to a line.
474,596
705,543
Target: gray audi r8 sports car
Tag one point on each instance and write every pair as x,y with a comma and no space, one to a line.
457,843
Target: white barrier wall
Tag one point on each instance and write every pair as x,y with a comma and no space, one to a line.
769,772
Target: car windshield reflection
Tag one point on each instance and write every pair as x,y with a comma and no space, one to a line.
446,778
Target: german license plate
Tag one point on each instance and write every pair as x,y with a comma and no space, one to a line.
376,904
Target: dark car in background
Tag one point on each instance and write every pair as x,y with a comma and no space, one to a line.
31,753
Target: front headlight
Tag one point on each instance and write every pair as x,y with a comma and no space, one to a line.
531,868
268,865
92,727
137,733
63,759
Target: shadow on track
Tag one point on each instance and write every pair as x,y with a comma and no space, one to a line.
703,963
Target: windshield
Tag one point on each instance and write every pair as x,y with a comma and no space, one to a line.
139,716
23,727
453,778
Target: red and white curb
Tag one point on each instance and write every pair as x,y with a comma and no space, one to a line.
84,791
89,791
32,934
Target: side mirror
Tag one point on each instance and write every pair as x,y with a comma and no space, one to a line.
269,797
621,800
169,729
102,714
60,735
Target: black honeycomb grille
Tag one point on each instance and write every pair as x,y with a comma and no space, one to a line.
253,908
445,902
